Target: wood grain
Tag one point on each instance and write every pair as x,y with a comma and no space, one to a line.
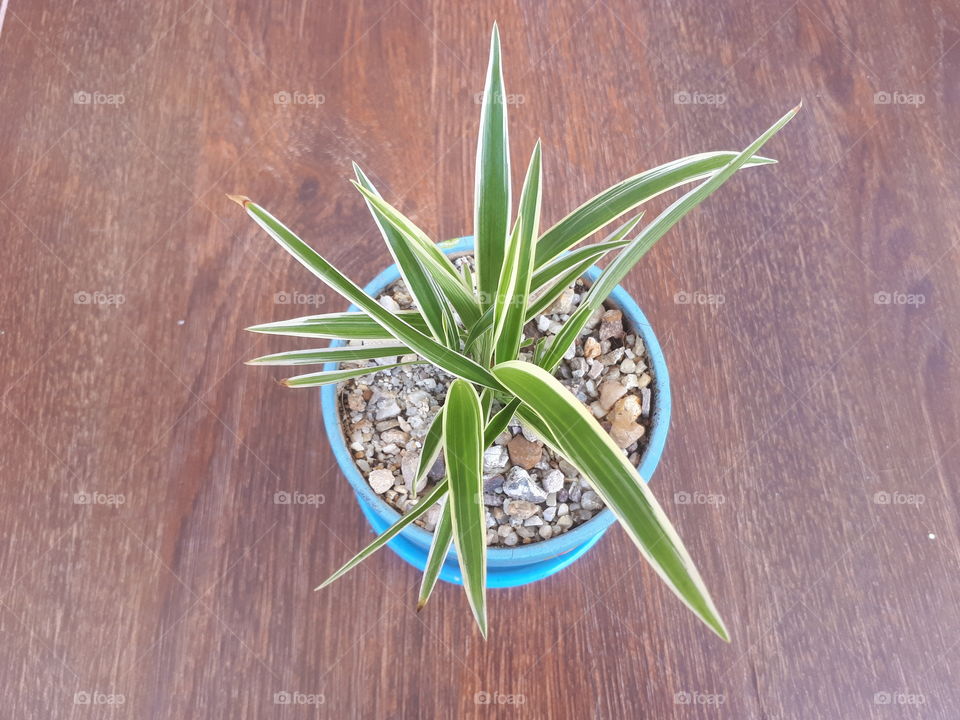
802,402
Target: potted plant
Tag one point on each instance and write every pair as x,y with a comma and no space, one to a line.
488,336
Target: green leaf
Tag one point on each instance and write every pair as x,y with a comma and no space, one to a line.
579,437
420,343
419,282
628,194
478,328
511,333
638,247
432,445
339,326
326,377
322,355
491,218
593,252
498,423
387,535
462,435
439,547
434,260
576,270
506,288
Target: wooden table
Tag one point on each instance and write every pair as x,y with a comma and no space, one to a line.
815,419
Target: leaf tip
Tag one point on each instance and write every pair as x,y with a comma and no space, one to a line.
241,200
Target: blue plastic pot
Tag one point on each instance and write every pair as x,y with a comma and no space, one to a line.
506,567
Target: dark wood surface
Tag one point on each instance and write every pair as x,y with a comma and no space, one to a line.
798,401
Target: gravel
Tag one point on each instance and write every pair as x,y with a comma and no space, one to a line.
530,494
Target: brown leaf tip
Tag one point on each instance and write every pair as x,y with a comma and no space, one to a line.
241,200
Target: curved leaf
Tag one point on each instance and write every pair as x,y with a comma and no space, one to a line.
577,435
339,326
420,343
462,435
387,535
491,215
647,237
628,194
439,547
326,377
323,355
419,282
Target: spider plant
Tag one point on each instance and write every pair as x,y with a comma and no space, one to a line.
470,325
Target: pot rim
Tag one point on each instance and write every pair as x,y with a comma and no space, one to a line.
579,534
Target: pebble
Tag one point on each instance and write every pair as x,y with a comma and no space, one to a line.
591,348
431,517
495,459
522,509
524,453
438,470
625,436
590,501
553,481
625,411
387,408
596,369
381,481
610,392
611,325
546,532
550,513
494,483
594,319
563,305
387,301
565,522
645,402
578,368
520,485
